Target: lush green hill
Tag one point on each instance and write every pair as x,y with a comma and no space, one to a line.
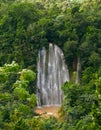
27,26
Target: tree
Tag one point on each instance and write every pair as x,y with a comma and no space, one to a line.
82,102
16,101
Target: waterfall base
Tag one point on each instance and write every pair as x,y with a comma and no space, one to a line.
47,111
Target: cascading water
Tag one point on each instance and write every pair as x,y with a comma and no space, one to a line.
78,75
52,73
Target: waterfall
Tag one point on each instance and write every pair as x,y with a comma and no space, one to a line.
78,75
52,73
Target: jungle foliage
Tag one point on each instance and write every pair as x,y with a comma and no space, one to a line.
25,27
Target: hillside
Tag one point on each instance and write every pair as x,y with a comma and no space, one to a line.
26,26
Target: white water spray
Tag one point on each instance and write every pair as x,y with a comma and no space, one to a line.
52,73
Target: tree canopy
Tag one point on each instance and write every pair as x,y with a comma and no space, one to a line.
25,27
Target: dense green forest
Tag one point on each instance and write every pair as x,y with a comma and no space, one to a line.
25,27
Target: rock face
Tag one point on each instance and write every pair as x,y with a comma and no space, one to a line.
52,72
